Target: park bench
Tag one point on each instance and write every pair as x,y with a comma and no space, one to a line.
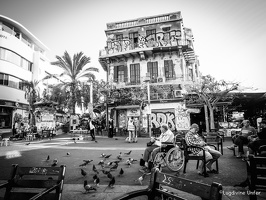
256,170
162,186
35,183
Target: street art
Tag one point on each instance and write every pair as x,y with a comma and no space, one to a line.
159,117
162,39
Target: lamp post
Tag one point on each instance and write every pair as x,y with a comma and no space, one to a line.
147,80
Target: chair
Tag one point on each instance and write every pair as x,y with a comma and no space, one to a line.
215,139
35,183
189,156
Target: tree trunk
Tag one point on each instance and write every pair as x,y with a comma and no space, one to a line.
211,118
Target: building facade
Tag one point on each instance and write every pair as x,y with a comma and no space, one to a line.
22,58
155,53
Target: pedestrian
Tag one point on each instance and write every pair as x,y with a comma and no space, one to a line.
91,128
211,155
111,128
131,130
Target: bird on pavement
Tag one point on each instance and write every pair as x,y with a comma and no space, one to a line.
105,172
132,160
68,154
101,162
87,161
128,153
55,161
121,172
83,173
82,165
109,163
95,169
28,143
114,167
128,163
48,158
97,181
107,156
109,175
140,179
112,182
88,188
102,155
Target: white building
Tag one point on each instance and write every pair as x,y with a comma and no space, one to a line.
22,58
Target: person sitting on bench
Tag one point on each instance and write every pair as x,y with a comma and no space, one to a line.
211,155
150,152
243,138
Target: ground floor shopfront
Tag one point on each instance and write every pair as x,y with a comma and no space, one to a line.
173,113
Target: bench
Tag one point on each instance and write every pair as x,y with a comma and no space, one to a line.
161,184
35,183
256,169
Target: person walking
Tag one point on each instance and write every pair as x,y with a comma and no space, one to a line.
91,128
131,130
111,128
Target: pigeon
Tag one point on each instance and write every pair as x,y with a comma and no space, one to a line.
121,172
114,167
109,163
128,163
95,169
128,153
87,161
88,187
95,141
55,161
105,172
101,162
140,179
116,162
83,173
107,156
82,165
112,182
48,158
109,175
102,155
28,143
97,181
132,160
67,153
95,176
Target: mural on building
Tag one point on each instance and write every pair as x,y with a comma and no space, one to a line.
171,38
163,116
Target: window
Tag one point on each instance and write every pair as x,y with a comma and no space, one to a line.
135,73
119,37
153,70
168,69
190,74
134,38
120,73
12,81
151,33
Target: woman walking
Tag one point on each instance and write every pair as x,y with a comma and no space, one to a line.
131,130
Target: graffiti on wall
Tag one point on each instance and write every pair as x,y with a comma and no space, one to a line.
176,119
162,39
164,116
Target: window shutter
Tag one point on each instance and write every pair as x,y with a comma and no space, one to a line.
115,74
125,73
149,65
166,69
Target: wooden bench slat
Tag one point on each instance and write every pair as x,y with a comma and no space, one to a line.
38,171
35,183
199,189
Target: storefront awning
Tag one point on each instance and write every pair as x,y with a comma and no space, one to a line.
126,107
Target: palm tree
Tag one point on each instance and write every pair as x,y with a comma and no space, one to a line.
32,94
74,74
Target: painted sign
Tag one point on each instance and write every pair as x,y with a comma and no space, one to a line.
133,112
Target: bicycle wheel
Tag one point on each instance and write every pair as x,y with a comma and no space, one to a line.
175,159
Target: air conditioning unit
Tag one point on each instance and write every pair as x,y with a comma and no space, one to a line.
178,93
160,79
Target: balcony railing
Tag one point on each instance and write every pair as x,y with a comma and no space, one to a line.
145,20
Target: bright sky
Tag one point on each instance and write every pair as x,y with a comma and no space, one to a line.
230,35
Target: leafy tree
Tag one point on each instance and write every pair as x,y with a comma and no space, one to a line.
73,76
210,91
32,94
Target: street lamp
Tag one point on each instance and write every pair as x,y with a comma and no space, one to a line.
147,80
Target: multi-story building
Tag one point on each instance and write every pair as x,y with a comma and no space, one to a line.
157,50
22,58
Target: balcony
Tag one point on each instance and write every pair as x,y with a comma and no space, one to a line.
144,21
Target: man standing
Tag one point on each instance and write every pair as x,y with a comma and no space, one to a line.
211,155
91,128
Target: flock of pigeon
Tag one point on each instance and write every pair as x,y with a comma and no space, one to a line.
106,167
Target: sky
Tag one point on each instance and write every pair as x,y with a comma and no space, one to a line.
230,35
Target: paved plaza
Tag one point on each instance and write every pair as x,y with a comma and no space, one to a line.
72,154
